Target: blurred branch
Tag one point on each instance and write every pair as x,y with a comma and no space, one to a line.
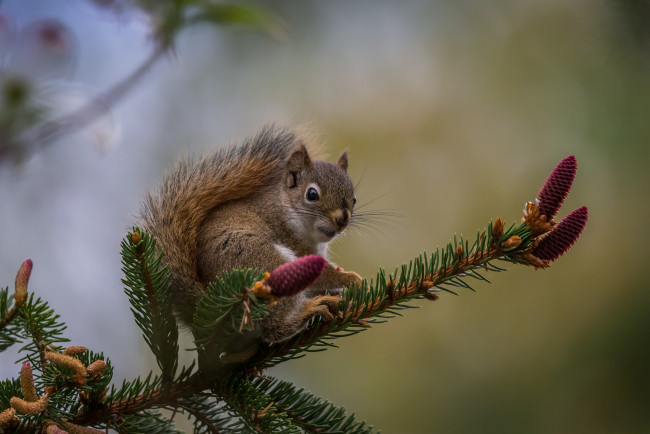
26,124
98,106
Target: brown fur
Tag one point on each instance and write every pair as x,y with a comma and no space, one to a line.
232,208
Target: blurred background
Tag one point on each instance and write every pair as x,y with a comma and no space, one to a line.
454,113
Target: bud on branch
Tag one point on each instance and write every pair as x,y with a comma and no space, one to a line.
22,279
563,236
291,278
557,187
554,238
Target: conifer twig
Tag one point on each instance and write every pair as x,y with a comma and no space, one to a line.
421,279
256,403
20,293
537,241
164,396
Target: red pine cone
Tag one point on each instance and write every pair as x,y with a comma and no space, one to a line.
563,236
295,276
557,186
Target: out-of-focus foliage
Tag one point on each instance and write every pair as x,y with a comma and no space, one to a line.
45,50
29,59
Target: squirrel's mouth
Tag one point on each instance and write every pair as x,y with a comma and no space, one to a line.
329,233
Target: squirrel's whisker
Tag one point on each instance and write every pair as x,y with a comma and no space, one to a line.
248,207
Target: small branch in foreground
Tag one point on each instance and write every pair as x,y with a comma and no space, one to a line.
165,396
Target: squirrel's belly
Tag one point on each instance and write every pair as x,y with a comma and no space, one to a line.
286,252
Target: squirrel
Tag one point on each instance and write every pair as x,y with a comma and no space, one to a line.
257,205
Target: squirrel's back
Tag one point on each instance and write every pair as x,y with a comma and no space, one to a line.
175,213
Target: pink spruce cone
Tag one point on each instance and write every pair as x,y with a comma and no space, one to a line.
22,279
557,186
295,276
563,236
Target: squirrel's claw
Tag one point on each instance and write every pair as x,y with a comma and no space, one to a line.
322,306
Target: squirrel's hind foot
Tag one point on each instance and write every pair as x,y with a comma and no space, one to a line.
324,306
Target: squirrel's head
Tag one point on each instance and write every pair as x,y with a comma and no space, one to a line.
320,196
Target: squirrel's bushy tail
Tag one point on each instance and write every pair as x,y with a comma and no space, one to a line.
175,213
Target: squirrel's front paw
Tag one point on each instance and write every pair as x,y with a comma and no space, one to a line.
325,306
348,278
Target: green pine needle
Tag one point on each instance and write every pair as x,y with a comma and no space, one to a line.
309,412
226,312
256,411
146,422
381,298
42,325
224,399
209,414
149,291
10,330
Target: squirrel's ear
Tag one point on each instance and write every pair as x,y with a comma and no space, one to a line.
297,162
343,161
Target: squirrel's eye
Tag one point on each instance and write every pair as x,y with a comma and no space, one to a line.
312,194
354,200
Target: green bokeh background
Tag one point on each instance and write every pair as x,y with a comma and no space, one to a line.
465,128
453,113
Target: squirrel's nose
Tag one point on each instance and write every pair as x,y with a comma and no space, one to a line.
342,217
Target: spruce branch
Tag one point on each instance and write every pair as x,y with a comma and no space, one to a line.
536,242
254,409
42,324
308,412
146,422
102,406
10,330
208,413
72,391
8,389
9,334
65,392
36,319
423,277
148,289
225,314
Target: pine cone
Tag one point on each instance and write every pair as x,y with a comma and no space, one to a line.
295,276
557,186
563,236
